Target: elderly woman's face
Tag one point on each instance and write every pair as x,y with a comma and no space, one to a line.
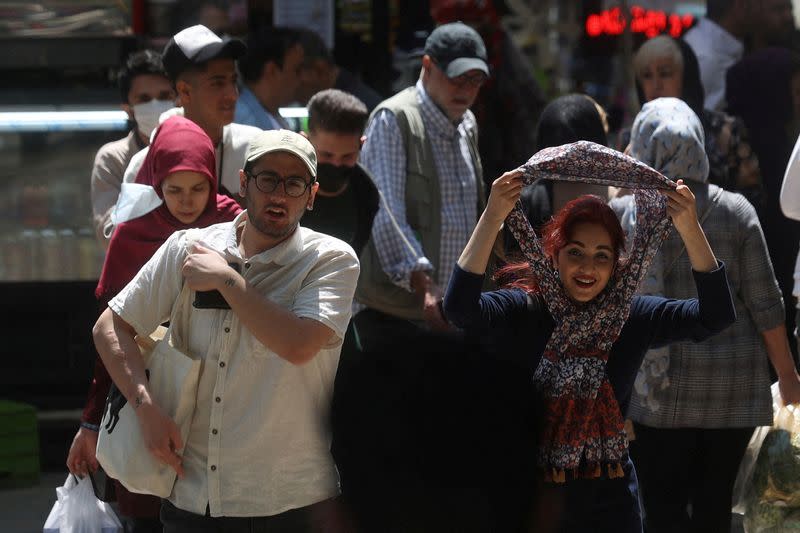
661,77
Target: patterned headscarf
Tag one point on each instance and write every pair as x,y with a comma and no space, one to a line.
669,136
583,430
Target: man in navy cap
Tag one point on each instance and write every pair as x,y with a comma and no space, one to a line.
422,150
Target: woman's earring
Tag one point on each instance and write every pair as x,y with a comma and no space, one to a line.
310,207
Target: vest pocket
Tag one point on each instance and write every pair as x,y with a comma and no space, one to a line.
418,201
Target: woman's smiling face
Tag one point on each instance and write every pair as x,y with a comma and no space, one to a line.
586,262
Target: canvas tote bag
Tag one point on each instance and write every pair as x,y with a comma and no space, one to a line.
173,376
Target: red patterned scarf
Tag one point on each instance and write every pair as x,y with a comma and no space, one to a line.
583,430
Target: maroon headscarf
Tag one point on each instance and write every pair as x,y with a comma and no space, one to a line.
179,145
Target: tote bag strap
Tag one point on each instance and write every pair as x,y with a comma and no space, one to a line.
178,332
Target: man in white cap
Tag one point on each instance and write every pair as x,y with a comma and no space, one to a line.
202,68
422,150
257,456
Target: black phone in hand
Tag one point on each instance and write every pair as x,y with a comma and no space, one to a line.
212,299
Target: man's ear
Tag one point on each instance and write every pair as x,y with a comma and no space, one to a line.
312,196
128,110
242,183
270,70
426,61
184,91
362,140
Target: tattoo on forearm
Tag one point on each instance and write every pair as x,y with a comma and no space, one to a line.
138,401
230,282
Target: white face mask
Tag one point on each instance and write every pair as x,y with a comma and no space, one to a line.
146,115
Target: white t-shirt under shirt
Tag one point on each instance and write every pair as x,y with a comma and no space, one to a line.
259,442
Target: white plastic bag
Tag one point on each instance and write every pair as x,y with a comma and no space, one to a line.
77,510
767,489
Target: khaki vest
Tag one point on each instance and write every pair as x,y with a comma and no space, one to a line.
423,210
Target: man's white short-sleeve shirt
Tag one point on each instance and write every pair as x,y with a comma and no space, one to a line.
259,443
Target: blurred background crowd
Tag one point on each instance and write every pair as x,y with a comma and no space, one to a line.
735,63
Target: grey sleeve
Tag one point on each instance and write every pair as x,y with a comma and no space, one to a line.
106,181
758,287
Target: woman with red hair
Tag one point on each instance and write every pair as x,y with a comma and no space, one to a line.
573,308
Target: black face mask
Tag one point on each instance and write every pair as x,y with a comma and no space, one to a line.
332,178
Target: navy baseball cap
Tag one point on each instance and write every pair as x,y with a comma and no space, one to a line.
457,49
196,45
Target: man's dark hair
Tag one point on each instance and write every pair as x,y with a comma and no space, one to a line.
267,45
337,112
314,47
137,64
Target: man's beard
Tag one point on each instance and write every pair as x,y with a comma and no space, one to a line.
272,231
263,227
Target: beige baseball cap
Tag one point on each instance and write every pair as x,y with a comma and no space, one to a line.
283,141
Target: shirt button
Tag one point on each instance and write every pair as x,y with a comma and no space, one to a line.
214,431
217,399
213,468
227,330
222,364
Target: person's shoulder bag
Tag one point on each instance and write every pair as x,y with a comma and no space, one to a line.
173,376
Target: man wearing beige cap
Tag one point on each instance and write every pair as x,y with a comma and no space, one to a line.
271,305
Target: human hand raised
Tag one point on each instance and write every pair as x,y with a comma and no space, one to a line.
82,457
504,195
682,208
204,269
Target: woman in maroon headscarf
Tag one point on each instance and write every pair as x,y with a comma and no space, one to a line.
180,167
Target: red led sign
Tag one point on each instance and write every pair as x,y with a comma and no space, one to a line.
647,21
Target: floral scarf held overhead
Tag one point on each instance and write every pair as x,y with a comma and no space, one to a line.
583,429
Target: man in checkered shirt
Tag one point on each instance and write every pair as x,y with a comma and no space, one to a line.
422,150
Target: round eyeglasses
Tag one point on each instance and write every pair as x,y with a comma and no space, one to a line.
267,182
